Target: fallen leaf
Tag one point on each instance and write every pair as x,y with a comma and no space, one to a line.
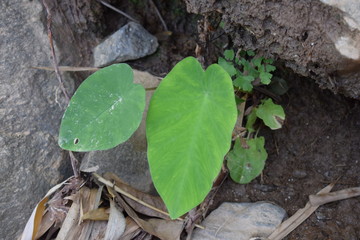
46,222
116,224
97,214
33,224
84,201
149,199
163,229
131,229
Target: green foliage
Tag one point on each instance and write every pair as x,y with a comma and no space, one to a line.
246,71
247,162
272,114
190,120
228,67
105,111
189,124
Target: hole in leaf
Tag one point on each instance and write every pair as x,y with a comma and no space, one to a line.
76,141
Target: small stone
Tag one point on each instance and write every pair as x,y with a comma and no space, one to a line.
241,221
130,42
264,187
299,174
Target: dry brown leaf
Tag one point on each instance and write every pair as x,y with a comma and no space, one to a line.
149,199
97,215
116,224
68,228
87,200
131,229
166,229
170,232
33,224
46,222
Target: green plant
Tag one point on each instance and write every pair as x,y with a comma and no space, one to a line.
247,159
189,125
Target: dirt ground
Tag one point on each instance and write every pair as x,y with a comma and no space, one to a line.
318,144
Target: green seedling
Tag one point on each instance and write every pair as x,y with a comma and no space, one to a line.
246,161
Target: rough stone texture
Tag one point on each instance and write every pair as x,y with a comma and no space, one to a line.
130,42
310,37
241,221
76,26
31,107
128,160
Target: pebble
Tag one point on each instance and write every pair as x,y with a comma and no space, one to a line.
130,42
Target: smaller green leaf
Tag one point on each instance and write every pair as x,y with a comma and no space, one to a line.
257,61
270,68
245,164
265,77
237,61
227,66
222,24
268,61
251,118
238,100
244,82
272,114
242,53
250,53
229,55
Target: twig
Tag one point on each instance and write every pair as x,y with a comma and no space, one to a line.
117,10
74,164
54,59
159,15
295,220
68,69
81,69
119,190
320,199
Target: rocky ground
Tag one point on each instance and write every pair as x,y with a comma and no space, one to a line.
318,144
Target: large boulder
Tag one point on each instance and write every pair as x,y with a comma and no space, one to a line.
31,106
317,39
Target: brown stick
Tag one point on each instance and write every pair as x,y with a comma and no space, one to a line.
54,59
159,15
320,199
117,10
295,220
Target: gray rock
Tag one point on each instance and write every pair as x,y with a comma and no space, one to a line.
130,42
351,8
241,221
128,160
31,107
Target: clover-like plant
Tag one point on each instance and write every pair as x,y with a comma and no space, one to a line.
247,158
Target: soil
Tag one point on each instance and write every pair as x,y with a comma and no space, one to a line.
300,32
318,145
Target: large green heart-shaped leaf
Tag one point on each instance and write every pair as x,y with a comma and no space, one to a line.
189,124
105,110
245,164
